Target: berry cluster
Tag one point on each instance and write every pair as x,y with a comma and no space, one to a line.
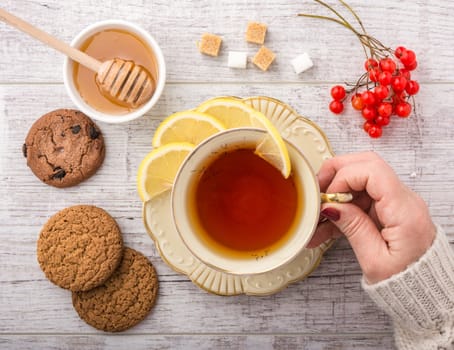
385,88
388,88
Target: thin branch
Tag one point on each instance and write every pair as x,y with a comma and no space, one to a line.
348,25
324,17
342,21
353,12
354,15
369,43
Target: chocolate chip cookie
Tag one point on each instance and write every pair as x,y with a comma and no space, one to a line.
80,247
124,300
64,147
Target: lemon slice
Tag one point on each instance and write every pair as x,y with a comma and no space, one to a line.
158,169
187,126
235,114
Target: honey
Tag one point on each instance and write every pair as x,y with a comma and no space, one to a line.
105,45
243,204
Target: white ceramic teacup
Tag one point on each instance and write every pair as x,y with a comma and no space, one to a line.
302,228
146,38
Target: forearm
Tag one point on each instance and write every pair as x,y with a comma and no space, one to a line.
420,300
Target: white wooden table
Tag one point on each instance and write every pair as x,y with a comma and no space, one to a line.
328,310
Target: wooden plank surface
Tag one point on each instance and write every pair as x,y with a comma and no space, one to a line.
422,25
202,341
326,311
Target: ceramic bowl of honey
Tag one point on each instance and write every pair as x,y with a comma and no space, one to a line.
104,41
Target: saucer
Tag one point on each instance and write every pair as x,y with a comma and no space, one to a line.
157,216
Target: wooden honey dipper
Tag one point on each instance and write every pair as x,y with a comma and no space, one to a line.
123,81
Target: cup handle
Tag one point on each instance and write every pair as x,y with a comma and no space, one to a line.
336,197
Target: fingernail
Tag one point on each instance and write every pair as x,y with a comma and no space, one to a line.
331,214
322,219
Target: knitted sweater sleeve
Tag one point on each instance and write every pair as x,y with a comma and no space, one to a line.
420,299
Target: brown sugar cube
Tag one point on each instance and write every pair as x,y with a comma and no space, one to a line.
210,44
263,58
256,32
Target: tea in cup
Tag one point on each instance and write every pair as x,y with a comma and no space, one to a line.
236,212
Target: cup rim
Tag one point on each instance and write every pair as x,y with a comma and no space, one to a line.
143,35
242,271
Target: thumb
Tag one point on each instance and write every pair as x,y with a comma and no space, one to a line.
359,229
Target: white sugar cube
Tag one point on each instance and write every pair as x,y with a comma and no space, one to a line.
237,59
302,63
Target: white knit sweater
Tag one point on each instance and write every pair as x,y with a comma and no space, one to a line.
420,300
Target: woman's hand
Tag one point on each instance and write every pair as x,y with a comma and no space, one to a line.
387,224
